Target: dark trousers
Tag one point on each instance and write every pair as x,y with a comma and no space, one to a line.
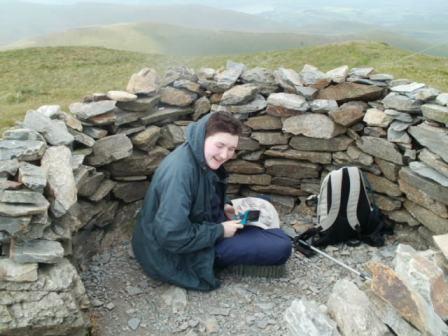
253,246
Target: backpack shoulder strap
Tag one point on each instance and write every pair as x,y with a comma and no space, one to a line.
353,197
368,189
322,203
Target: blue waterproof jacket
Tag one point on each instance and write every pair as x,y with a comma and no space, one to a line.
175,235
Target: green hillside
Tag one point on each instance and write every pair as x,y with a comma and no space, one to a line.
37,76
173,40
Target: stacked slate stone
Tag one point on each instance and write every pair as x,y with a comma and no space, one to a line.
41,290
65,177
395,130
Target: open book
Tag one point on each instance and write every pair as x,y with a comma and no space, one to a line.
268,219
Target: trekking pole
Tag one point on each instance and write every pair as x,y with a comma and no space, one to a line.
362,275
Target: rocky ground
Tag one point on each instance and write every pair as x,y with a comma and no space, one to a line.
126,302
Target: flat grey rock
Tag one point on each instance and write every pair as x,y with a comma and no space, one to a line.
434,138
33,177
288,101
261,77
436,112
228,77
82,138
434,161
40,251
146,82
54,131
131,191
121,96
8,167
14,225
239,95
171,136
61,183
402,103
146,139
339,74
177,97
305,317
401,137
426,171
376,117
353,312
381,77
313,125
380,148
141,104
89,183
349,114
22,134
442,99
24,150
95,132
201,106
424,94
401,116
86,111
15,272
336,144
103,190
347,91
433,189
138,163
270,138
187,85
361,72
172,113
323,105
50,111
22,197
288,79
109,149
258,104
407,88
313,77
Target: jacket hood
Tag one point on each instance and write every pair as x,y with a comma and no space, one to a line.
196,138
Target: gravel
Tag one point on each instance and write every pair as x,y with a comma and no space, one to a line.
127,302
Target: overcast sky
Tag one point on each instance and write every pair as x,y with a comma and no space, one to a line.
262,5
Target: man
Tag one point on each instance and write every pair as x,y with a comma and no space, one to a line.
185,227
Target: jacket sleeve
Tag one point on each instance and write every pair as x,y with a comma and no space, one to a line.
173,228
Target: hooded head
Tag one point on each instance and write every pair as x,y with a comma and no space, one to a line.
214,139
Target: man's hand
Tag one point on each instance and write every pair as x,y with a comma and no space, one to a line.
229,211
230,227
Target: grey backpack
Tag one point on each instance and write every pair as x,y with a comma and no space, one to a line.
346,211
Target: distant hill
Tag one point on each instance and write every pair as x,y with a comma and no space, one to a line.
182,41
209,30
400,38
36,76
414,25
22,20
174,40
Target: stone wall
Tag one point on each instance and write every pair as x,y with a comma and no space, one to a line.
64,176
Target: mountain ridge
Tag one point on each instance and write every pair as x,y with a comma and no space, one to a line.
150,37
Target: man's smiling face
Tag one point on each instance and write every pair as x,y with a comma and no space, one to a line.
219,148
